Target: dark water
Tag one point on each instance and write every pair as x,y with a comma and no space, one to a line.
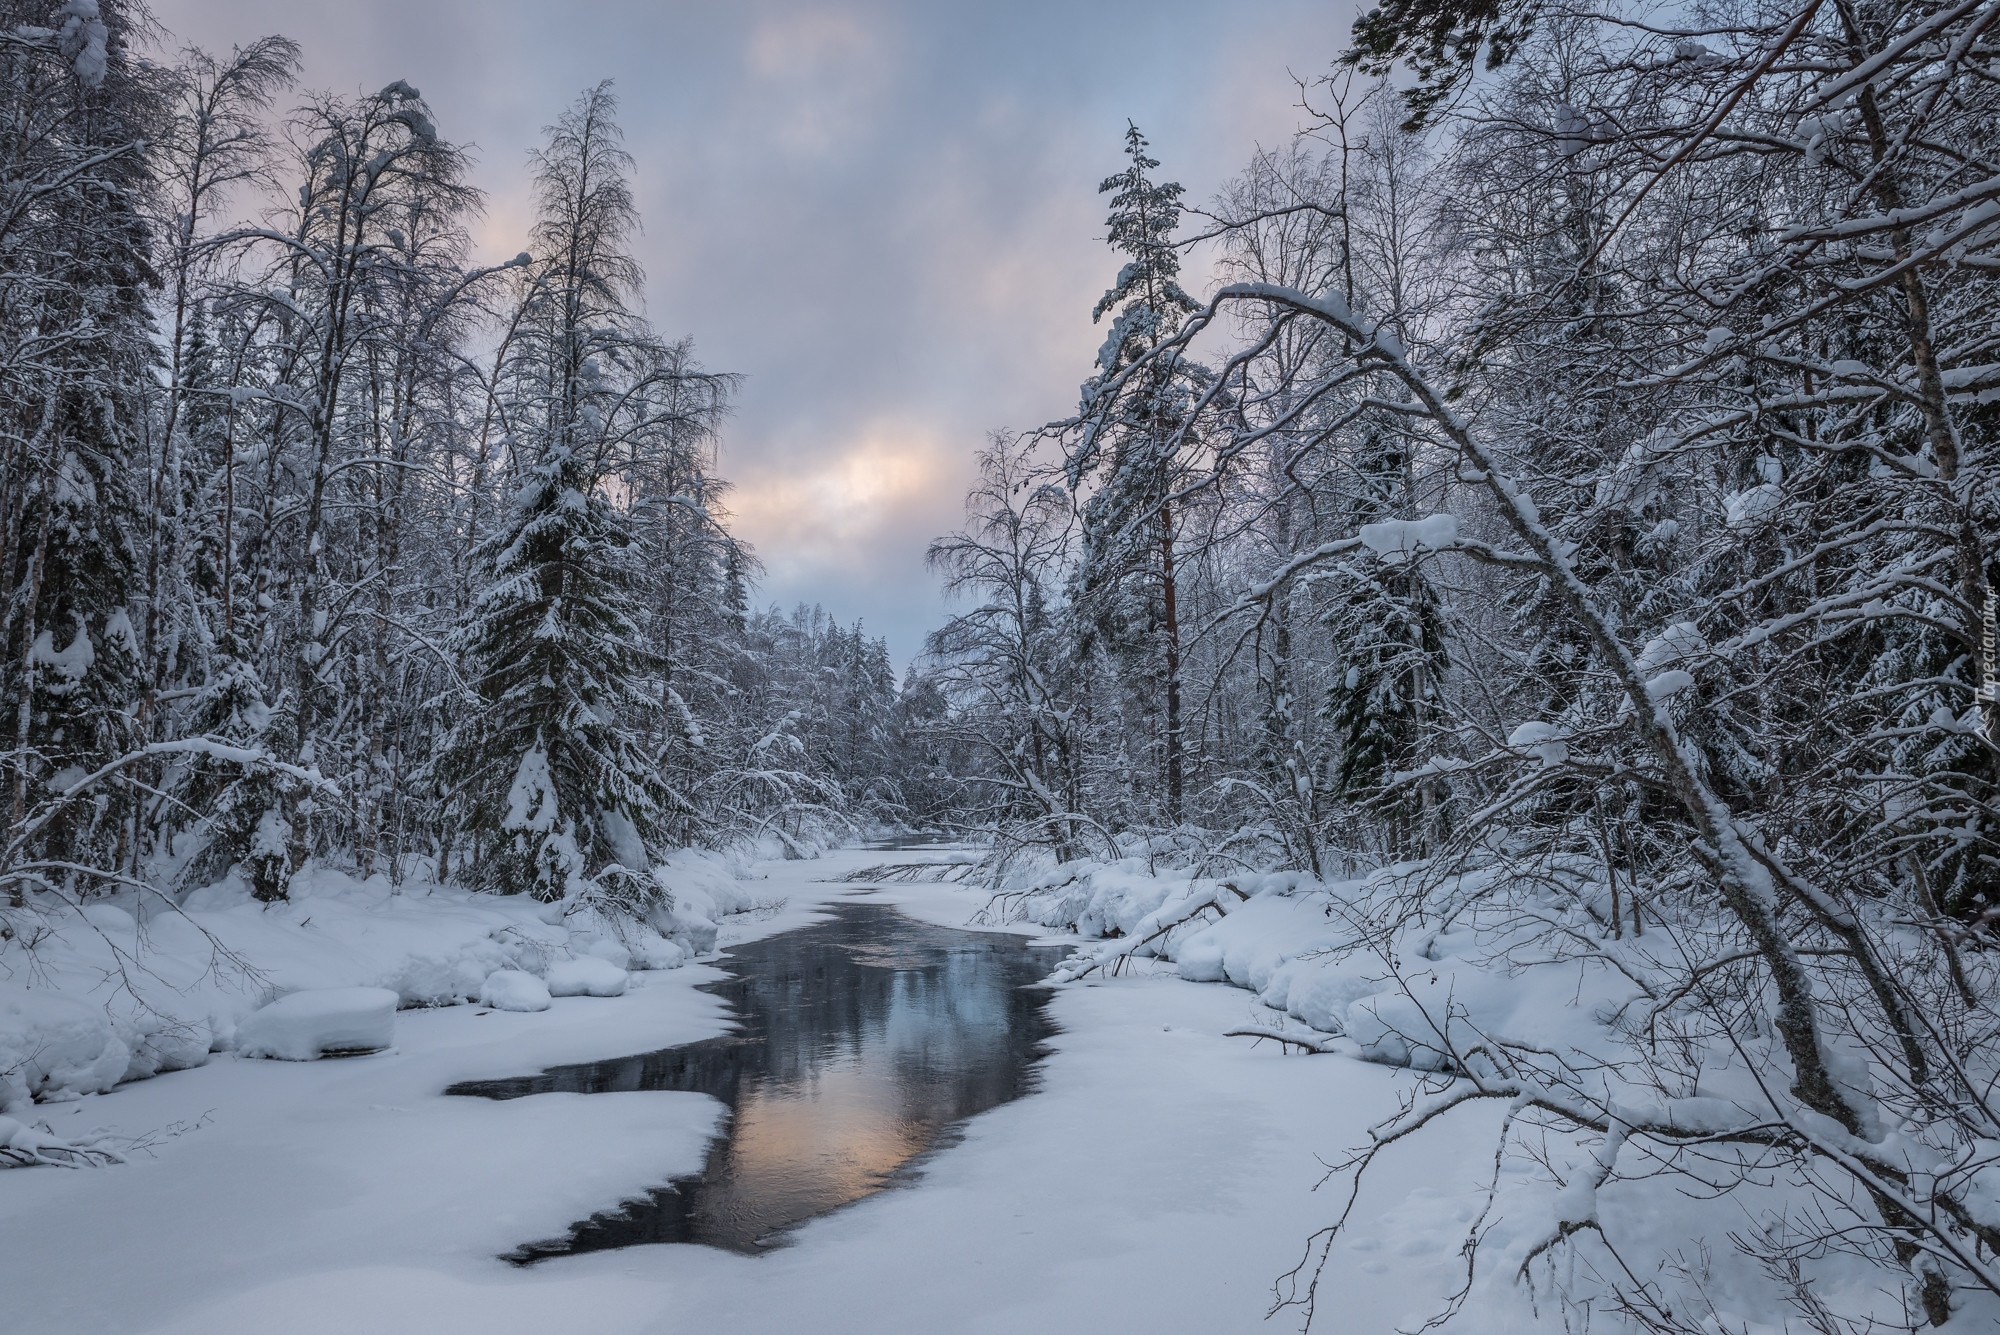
916,839
863,1039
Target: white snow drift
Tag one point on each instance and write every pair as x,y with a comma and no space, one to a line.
318,1022
123,989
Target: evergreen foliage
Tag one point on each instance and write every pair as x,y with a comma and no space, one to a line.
327,546
547,774
76,280
1129,450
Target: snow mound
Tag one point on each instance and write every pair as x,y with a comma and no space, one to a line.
54,1047
1399,539
1306,949
589,976
513,990
656,952
318,1022
120,991
701,888
607,948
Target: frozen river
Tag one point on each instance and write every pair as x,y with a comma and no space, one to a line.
860,1041
1159,1176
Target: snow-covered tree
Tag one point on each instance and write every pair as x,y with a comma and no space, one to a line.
1131,447
1389,632
1002,661
286,478
75,325
548,777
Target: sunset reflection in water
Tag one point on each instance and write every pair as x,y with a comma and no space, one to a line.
863,1039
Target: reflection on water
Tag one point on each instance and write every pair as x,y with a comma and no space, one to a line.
863,1038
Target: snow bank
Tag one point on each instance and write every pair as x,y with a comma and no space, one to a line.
655,952
55,1044
318,1022
123,989
1432,973
702,888
1314,952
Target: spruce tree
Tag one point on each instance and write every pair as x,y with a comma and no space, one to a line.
1389,634
74,285
547,772
548,775
241,810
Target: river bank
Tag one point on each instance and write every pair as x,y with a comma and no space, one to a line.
1161,1177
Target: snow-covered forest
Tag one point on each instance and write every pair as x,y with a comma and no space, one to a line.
327,545
1529,618
1563,539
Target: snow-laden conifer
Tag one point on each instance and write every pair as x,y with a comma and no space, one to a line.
546,777
75,274
1130,449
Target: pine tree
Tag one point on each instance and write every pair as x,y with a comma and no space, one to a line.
1134,424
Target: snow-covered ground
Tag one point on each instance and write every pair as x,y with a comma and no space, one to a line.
1161,1179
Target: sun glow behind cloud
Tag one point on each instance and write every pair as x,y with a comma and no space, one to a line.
850,503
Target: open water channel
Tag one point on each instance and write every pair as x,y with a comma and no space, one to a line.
863,1040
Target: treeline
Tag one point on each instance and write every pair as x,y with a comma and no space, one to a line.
325,543
1583,475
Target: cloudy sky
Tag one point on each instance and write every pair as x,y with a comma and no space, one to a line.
883,214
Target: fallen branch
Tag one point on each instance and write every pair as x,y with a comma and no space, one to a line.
1322,1046
1150,929
22,1145
953,870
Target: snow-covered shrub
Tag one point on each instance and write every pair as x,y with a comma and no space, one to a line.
513,990
22,1145
54,1046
